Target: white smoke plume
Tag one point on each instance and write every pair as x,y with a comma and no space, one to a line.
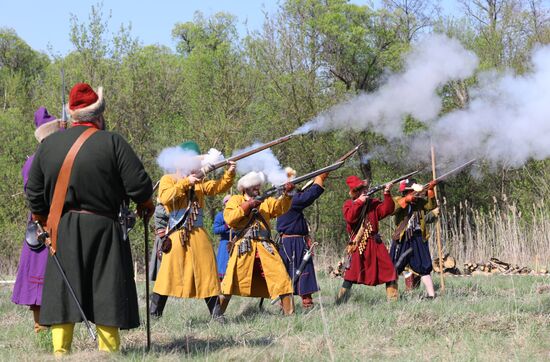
173,159
264,161
436,60
506,120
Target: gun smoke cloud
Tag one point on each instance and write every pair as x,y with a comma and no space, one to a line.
432,63
175,159
264,161
505,120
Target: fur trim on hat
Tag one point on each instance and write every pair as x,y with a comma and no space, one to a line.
251,179
47,129
91,112
290,173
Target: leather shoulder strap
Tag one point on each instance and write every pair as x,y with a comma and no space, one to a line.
61,185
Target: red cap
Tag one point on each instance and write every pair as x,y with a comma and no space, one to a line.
354,182
81,96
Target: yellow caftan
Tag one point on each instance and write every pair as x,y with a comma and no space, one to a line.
240,277
190,271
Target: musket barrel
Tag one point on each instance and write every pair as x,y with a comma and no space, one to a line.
456,169
260,148
400,178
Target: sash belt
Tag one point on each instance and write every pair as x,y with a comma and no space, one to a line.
293,236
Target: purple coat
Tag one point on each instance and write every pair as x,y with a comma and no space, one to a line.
32,265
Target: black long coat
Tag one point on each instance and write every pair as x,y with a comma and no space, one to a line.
90,247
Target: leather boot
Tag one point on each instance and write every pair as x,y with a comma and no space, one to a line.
307,301
343,296
36,316
392,293
157,305
217,314
224,302
287,301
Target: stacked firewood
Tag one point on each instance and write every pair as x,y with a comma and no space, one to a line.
449,265
495,266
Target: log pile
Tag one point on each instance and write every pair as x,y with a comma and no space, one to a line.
449,265
496,266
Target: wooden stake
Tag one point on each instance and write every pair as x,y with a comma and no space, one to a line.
438,229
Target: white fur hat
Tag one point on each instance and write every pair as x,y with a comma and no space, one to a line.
251,179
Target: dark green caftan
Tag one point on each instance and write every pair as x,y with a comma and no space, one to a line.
90,246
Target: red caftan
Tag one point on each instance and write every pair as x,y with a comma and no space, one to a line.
374,266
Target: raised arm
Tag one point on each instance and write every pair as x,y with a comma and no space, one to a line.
352,210
304,199
278,206
386,207
214,187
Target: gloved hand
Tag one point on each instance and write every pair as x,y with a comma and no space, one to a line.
232,166
432,184
146,209
319,180
289,186
247,206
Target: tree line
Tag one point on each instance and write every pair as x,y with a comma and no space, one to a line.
226,90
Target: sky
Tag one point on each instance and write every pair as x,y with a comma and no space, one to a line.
45,25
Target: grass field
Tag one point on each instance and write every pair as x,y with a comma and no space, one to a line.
479,318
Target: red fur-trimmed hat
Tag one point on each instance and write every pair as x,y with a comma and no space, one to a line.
85,105
354,182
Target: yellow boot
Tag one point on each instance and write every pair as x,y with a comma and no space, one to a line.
108,338
392,293
62,338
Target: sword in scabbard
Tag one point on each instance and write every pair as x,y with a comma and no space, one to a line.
42,237
305,259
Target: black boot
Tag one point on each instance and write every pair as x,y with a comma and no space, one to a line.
215,309
157,305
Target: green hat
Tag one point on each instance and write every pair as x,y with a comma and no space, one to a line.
190,146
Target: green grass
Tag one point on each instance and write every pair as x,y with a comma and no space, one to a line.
479,318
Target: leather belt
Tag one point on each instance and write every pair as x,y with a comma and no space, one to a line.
88,212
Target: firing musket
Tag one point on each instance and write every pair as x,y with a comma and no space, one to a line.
277,190
444,176
377,188
211,167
